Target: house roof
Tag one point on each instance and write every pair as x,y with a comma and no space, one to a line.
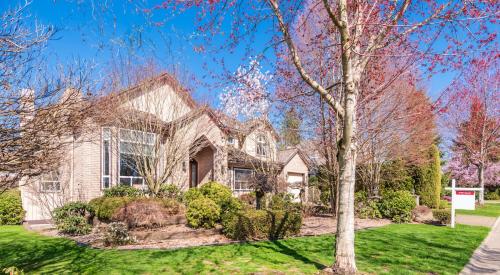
244,128
285,156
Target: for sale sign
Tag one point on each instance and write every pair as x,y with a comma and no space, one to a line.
464,199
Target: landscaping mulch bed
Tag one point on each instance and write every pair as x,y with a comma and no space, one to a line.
180,235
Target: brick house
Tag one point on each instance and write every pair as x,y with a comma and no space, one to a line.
231,152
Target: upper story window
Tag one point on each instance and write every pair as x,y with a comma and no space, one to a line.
230,140
50,182
262,145
135,148
106,158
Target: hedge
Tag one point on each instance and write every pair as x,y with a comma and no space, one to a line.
251,224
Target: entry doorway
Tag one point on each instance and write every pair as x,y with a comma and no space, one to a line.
193,173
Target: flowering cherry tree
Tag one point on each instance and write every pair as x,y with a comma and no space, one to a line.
472,114
247,97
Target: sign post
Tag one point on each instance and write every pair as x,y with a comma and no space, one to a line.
461,198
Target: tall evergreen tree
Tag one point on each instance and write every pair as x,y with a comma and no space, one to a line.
290,130
428,179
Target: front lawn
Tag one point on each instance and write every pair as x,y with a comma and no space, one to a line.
393,249
489,210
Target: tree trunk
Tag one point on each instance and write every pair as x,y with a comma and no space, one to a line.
344,243
480,175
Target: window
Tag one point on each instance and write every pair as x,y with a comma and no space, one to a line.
50,182
242,180
133,145
230,140
106,158
262,145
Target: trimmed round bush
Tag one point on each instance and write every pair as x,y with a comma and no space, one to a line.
73,218
11,208
191,195
203,212
252,224
443,216
217,192
105,207
397,206
122,191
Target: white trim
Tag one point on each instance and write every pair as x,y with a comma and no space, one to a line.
103,162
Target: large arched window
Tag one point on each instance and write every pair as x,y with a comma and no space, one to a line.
262,145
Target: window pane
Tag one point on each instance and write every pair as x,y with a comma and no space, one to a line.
125,181
137,181
105,182
128,166
106,156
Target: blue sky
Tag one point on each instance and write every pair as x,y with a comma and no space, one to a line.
85,32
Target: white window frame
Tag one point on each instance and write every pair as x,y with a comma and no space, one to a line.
103,161
261,142
55,181
130,178
240,190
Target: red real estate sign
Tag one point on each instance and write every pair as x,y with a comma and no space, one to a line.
467,193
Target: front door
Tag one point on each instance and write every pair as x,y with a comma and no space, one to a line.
193,173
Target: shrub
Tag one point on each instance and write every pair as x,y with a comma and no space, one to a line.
11,208
146,212
105,207
248,198
442,215
170,191
117,234
73,218
217,192
283,201
191,195
397,205
492,196
122,191
368,210
261,224
203,212
443,204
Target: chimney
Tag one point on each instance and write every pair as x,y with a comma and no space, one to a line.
27,106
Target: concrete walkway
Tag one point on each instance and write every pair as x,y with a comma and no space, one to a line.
475,220
486,258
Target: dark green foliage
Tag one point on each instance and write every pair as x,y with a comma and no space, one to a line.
117,234
170,191
366,208
428,180
122,191
290,131
203,212
283,201
395,175
397,206
11,208
492,196
73,218
442,215
261,224
105,207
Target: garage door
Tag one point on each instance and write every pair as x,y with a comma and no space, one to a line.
295,181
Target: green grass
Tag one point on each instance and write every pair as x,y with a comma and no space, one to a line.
489,210
393,249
